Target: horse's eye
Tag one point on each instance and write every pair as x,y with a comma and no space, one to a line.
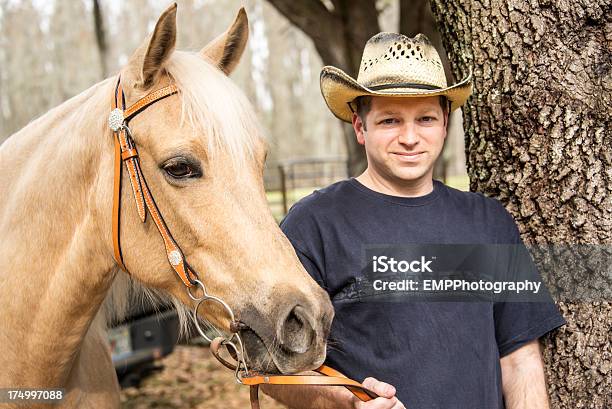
178,170
181,169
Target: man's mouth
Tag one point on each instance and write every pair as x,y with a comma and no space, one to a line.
408,156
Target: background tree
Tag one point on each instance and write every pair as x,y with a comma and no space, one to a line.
71,50
19,30
538,139
100,36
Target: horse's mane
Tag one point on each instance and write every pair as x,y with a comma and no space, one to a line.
214,105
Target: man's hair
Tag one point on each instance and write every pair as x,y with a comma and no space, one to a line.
363,105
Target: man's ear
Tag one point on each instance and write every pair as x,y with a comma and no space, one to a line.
225,51
146,63
359,128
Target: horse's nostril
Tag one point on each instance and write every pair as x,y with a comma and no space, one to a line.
293,323
296,333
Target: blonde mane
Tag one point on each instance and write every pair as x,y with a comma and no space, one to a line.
214,105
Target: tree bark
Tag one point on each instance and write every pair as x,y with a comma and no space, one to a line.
538,139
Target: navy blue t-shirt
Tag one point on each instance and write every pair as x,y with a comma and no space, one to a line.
437,354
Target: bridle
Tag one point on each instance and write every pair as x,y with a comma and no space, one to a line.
126,152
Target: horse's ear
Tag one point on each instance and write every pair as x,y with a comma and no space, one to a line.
147,61
225,51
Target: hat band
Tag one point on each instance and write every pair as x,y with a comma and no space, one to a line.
404,85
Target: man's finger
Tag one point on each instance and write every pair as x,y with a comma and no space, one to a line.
381,388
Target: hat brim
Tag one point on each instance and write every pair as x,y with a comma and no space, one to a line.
339,89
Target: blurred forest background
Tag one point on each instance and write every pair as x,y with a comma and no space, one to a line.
53,50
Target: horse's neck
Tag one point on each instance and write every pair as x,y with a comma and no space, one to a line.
55,267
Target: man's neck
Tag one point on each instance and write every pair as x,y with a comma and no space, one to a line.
375,182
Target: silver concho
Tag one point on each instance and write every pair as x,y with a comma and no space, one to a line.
115,119
175,257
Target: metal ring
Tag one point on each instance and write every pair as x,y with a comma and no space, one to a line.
227,340
201,284
206,297
240,362
242,354
219,301
197,324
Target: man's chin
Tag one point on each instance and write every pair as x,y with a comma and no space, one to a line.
410,176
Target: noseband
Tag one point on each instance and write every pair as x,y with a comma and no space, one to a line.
126,152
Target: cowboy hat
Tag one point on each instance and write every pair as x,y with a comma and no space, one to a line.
392,65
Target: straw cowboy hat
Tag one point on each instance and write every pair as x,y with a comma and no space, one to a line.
392,65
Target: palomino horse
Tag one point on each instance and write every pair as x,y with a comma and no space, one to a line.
202,154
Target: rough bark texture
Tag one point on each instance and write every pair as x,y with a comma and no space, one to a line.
538,139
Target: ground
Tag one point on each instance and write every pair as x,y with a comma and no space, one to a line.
191,378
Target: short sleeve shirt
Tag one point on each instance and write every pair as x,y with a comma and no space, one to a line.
437,354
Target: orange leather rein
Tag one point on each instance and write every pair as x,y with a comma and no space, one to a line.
331,378
127,153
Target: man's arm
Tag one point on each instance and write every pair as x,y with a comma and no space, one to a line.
523,381
333,397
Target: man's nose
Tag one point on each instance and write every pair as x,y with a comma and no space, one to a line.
408,135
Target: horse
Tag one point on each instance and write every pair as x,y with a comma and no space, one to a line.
202,152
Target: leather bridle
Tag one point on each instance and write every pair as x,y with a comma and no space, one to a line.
126,152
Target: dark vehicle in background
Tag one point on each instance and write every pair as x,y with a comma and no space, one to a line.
138,341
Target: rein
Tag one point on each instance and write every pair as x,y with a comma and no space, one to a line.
126,152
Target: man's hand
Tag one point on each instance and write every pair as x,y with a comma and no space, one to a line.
386,399
333,397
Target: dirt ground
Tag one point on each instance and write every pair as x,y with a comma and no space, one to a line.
191,378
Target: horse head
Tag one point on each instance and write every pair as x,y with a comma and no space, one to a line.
202,154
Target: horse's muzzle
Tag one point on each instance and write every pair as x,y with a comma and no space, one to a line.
292,342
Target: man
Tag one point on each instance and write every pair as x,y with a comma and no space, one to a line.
481,355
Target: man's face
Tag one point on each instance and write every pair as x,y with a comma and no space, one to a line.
403,137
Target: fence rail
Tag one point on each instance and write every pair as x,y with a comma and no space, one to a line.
288,181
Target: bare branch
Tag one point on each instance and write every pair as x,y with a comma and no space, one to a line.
310,16
318,23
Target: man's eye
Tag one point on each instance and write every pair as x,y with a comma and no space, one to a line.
428,119
388,121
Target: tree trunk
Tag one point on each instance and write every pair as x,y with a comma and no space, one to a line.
538,139
100,37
